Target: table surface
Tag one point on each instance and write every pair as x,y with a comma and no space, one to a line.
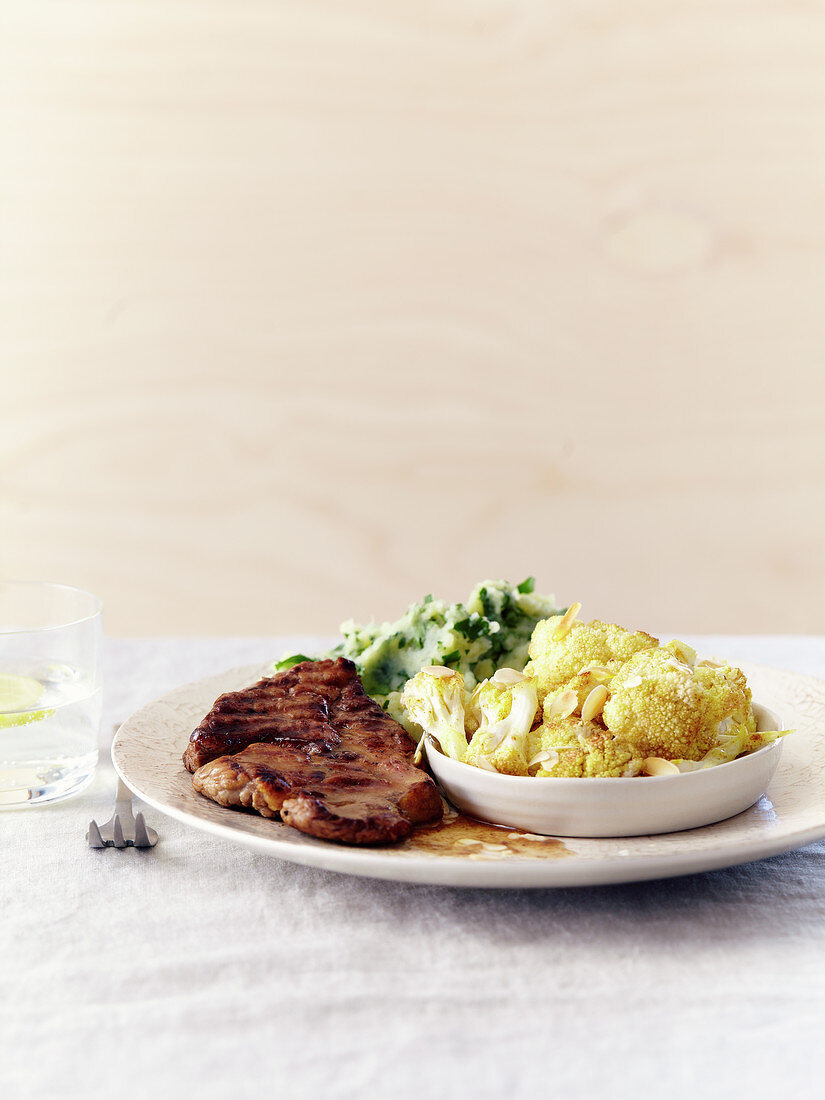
205,967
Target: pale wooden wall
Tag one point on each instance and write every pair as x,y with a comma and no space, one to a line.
311,308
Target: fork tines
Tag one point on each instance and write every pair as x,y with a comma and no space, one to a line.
93,836
123,829
143,836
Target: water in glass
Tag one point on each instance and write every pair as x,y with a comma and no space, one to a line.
49,720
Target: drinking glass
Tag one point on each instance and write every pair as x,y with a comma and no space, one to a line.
50,691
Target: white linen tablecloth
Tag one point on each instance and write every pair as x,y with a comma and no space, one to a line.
203,969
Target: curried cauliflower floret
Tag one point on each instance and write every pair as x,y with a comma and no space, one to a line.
736,722
435,699
730,691
505,708
561,649
668,709
574,748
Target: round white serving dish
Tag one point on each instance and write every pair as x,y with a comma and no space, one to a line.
644,806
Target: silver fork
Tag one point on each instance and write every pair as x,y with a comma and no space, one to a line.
123,829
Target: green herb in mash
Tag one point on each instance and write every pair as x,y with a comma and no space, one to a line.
492,629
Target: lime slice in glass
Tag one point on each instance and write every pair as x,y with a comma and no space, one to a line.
18,694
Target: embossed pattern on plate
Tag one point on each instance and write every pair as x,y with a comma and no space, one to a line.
147,755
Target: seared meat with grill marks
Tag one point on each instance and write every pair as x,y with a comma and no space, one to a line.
309,744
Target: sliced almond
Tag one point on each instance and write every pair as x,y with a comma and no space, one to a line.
594,703
633,682
684,652
655,765
545,756
508,676
708,662
567,620
564,705
485,765
596,672
438,670
426,739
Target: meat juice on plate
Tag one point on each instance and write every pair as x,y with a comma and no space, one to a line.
49,718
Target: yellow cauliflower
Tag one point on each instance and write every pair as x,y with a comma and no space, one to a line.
574,748
503,709
666,708
730,692
572,695
499,715
569,655
594,700
435,699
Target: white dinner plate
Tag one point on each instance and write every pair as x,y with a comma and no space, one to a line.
461,852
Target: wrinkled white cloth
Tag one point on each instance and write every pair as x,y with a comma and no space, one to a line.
203,969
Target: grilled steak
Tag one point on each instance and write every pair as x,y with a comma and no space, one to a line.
309,744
